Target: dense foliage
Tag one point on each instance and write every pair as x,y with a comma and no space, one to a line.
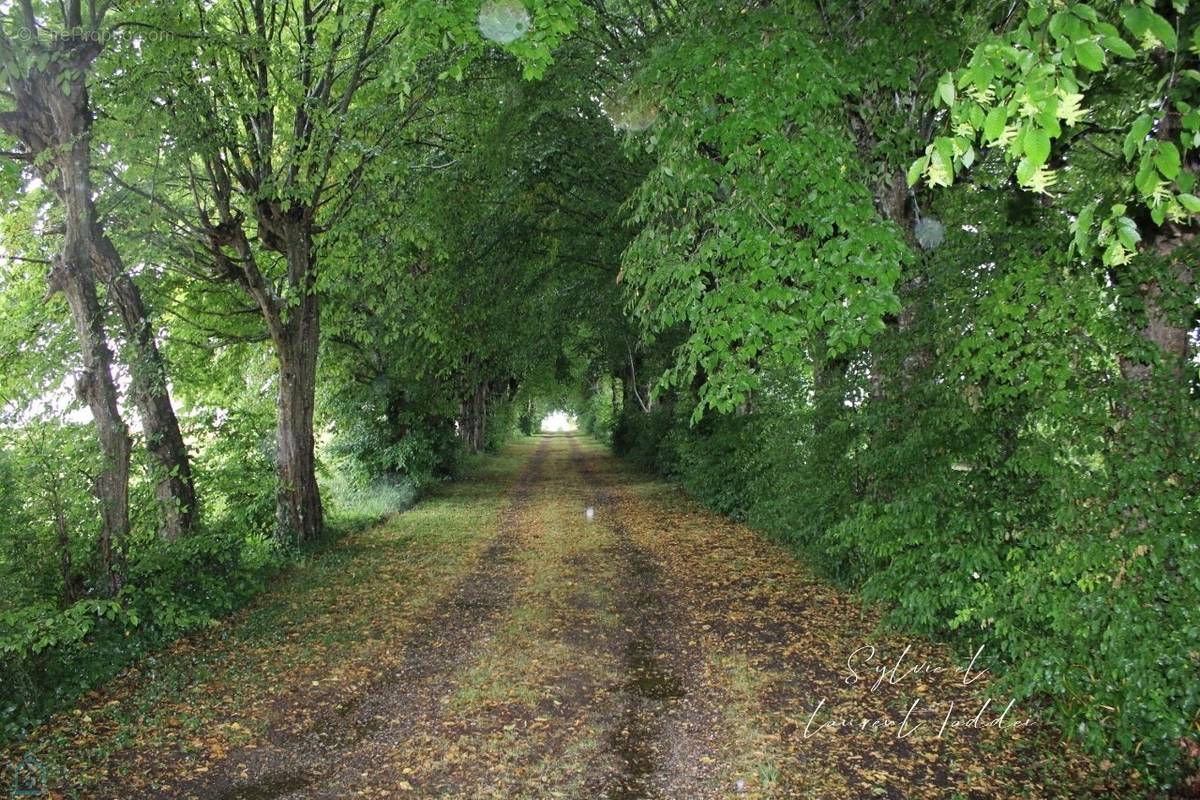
983,412
909,285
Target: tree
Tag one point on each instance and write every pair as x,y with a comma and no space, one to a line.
272,154
47,61
1108,85
48,66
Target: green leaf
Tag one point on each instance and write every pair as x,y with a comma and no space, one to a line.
1167,160
1162,30
1146,179
993,126
1090,55
1137,135
1037,146
917,169
1127,232
1025,170
944,146
975,115
1082,229
1190,202
968,157
1058,21
1136,19
946,89
1142,19
1117,45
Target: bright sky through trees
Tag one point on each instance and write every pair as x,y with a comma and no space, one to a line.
558,422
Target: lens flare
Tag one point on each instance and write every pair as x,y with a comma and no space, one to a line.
930,233
503,21
631,112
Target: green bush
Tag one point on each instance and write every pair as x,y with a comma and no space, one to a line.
1072,558
51,655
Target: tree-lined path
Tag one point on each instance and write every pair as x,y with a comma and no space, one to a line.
903,293
496,642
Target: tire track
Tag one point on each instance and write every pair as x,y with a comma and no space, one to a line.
656,738
317,760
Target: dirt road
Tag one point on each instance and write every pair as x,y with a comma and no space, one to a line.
495,642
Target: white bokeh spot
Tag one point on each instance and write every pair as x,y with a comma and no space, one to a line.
503,21
930,233
631,112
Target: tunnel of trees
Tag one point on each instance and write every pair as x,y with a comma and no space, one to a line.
909,286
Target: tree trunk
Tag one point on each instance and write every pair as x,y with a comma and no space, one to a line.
53,118
646,405
479,417
73,585
295,330
829,390
175,489
1165,331
894,202
49,119
299,516
95,387
472,422
1168,297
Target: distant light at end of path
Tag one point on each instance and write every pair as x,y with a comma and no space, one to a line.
558,422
